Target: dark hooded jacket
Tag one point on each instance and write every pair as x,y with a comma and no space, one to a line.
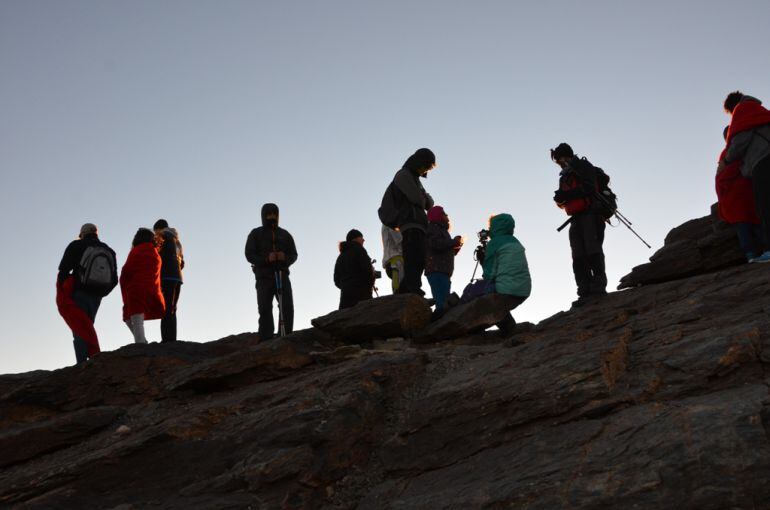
353,270
441,245
172,256
415,200
268,238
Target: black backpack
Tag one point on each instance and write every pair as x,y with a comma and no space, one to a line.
605,201
390,206
97,272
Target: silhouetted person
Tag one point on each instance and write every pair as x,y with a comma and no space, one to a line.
353,271
271,251
172,264
578,185
413,220
736,206
748,142
140,284
87,272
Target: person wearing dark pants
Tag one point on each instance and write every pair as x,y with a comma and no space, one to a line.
267,292
586,236
87,273
271,251
412,217
748,145
579,183
172,257
440,260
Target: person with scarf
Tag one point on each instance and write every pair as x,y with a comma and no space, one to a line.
440,260
505,266
748,144
140,284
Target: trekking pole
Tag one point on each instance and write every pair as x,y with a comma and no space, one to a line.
279,293
564,225
620,217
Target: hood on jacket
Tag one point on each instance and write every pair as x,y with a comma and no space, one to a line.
422,159
269,209
501,225
436,214
350,245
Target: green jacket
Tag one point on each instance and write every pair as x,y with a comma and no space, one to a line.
505,262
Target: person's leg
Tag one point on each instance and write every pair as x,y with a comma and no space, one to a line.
288,305
414,245
758,243
265,294
170,290
397,273
81,349
760,182
137,328
580,266
440,289
745,232
508,324
86,333
594,241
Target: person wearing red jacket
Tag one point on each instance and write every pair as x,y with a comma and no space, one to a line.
748,144
736,206
140,284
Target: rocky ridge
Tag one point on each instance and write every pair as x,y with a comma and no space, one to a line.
656,397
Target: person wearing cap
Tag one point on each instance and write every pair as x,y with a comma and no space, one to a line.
77,302
353,271
271,251
413,220
440,261
172,260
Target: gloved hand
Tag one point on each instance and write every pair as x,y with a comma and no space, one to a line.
559,196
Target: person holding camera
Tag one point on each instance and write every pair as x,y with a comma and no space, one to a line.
271,251
578,186
353,271
440,262
505,266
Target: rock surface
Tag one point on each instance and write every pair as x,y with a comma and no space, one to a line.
696,247
466,319
654,398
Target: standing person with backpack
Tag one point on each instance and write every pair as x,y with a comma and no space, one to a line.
87,273
579,185
392,259
140,284
271,251
172,263
440,262
748,144
404,207
353,271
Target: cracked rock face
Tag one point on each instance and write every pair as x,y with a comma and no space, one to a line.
656,397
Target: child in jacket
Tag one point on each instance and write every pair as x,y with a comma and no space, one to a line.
440,260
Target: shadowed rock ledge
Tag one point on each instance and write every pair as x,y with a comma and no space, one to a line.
656,397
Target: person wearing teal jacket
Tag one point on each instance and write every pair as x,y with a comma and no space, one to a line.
505,264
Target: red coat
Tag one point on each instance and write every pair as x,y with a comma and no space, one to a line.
140,283
78,321
735,195
747,115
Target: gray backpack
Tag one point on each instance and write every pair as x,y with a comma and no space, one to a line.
97,270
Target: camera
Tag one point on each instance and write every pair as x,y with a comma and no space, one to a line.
481,249
377,275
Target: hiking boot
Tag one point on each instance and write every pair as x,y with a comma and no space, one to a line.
765,257
582,300
452,300
437,314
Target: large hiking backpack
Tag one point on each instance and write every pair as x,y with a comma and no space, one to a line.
96,271
606,199
390,206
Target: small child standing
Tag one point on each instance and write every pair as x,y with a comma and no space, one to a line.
440,261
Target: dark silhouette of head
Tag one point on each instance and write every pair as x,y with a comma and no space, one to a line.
421,161
732,100
562,151
270,215
160,225
724,133
143,235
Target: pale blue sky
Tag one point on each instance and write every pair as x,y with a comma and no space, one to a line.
119,113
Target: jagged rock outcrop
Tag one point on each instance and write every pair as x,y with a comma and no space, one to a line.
656,397
696,247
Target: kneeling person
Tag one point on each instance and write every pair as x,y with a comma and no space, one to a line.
505,265
353,272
